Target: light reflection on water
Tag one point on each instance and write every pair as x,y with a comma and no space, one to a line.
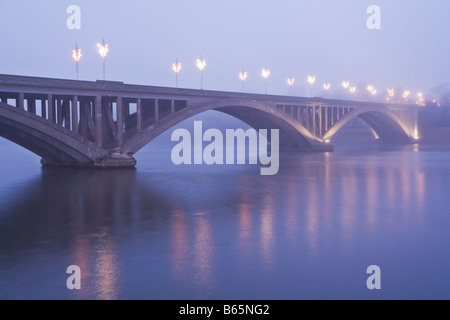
164,232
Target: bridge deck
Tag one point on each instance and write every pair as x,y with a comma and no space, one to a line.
37,85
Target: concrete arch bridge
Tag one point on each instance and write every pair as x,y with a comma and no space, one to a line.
104,123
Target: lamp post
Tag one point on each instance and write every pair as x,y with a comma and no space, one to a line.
76,54
372,90
290,81
326,87
406,94
243,76
103,49
391,94
345,84
176,67
201,64
311,81
420,98
266,74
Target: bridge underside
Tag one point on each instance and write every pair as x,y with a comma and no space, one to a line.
322,122
290,138
56,145
387,131
44,146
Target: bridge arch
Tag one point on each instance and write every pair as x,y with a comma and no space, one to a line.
52,142
387,126
256,114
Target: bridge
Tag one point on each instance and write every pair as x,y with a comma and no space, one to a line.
104,123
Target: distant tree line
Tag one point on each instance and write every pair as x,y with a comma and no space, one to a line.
437,110
442,94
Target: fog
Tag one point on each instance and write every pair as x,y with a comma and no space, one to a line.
325,38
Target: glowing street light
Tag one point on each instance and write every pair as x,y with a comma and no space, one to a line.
311,81
352,89
290,82
243,75
103,49
327,86
406,94
345,84
391,94
76,54
372,90
201,64
265,74
420,98
176,67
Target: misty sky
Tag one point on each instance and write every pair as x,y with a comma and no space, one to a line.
326,38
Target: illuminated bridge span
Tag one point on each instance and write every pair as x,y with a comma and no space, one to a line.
103,123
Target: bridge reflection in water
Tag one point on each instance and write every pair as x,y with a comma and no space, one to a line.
104,124
181,235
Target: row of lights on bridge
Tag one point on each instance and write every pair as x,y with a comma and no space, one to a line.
103,49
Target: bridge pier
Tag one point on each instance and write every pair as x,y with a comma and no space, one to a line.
322,147
112,161
116,160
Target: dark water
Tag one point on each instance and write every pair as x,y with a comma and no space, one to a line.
167,232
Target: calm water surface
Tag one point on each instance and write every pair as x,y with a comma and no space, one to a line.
168,232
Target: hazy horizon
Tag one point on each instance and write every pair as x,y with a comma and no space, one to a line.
325,38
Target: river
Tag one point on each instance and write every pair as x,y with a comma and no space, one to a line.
225,232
